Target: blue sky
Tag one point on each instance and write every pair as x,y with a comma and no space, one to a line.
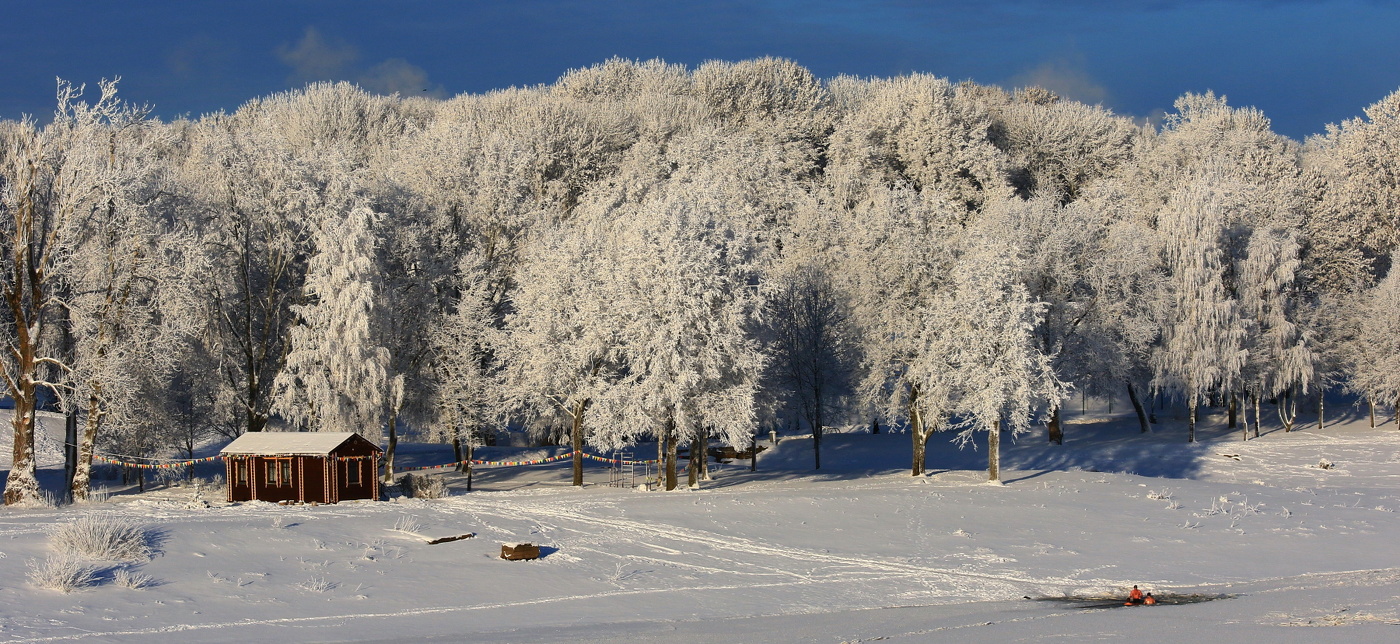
1304,64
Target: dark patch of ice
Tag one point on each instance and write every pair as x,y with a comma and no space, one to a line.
1103,601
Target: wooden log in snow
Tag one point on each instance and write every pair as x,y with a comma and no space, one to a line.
456,538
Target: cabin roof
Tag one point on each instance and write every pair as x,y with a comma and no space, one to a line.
291,443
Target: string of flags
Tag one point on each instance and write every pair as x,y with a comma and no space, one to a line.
539,461
155,466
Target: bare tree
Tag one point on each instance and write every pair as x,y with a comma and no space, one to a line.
811,345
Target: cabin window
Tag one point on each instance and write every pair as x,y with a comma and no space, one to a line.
279,472
240,472
352,473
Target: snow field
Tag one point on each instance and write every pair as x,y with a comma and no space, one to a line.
857,551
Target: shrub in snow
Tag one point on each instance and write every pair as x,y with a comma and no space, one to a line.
62,573
102,536
213,485
407,524
99,494
126,578
423,487
317,585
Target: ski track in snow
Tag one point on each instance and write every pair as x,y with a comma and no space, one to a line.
972,584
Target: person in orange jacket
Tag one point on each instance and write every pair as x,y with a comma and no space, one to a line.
1149,600
1134,598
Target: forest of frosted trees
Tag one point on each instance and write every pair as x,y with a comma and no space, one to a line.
646,252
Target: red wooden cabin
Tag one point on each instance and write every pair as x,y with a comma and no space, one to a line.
305,467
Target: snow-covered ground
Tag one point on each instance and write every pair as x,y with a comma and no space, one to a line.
859,551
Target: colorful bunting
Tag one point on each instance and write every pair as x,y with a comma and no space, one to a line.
541,461
155,466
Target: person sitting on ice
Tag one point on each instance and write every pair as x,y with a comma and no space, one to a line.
1149,600
1134,598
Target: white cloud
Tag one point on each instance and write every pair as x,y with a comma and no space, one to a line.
316,58
398,75
319,58
1064,76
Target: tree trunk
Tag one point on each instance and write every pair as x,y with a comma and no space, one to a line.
457,448
817,443
1234,407
576,441
692,471
467,463
189,453
704,440
390,449
994,452
1371,409
874,426
661,460
1287,410
82,475
70,449
1258,420
1244,433
1137,407
916,429
22,484
671,451
1055,428
920,444
1320,423
753,450
1191,419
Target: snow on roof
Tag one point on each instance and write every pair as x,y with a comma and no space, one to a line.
295,443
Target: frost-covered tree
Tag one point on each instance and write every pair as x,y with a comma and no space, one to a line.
79,236
981,348
1355,221
466,364
258,182
919,131
685,283
900,250
334,379
129,285
1062,264
1374,350
185,403
1201,348
1055,146
1127,281
1216,184
37,183
246,202
563,350
1280,352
